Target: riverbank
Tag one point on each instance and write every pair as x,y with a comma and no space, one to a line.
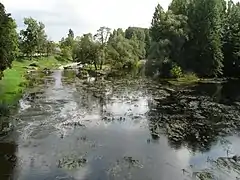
15,80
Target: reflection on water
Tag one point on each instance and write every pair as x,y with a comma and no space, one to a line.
8,160
71,128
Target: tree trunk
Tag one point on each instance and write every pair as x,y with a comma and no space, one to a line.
95,65
101,64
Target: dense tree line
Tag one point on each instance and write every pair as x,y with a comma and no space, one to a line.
118,48
199,36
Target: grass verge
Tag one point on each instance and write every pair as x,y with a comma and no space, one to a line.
189,78
14,81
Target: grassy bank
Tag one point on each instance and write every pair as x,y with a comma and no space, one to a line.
185,79
14,81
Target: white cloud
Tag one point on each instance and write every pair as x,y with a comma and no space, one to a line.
84,15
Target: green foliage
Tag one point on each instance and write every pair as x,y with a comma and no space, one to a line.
122,52
135,31
190,76
33,39
169,33
68,41
142,39
179,7
191,34
87,51
231,45
205,39
176,71
187,78
66,53
50,47
108,48
14,81
102,36
8,40
67,46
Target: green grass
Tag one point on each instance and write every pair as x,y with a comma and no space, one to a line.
189,78
50,62
14,81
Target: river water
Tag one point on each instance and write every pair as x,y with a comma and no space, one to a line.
79,129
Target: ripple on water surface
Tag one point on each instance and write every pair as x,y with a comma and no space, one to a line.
122,129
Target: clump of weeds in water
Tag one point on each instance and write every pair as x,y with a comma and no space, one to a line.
72,162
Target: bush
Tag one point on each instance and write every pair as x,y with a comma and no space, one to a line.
176,71
190,76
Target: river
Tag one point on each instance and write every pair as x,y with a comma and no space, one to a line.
139,129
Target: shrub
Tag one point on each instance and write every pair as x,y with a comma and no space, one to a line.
176,71
190,76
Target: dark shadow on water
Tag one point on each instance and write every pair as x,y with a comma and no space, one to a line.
197,117
226,93
8,160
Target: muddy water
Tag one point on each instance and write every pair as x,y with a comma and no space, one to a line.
68,128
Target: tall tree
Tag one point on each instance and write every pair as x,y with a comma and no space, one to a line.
87,50
121,52
231,40
50,47
67,45
135,31
169,33
137,35
102,36
204,49
71,34
158,17
179,7
8,40
33,38
147,41
42,38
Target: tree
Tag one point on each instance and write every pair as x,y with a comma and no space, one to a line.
41,39
141,37
67,45
87,50
179,7
121,52
102,36
8,40
204,47
231,40
135,31
50,47
169,33
158,16
33,38
147,41
71,34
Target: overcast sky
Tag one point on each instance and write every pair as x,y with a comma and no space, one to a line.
83,16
